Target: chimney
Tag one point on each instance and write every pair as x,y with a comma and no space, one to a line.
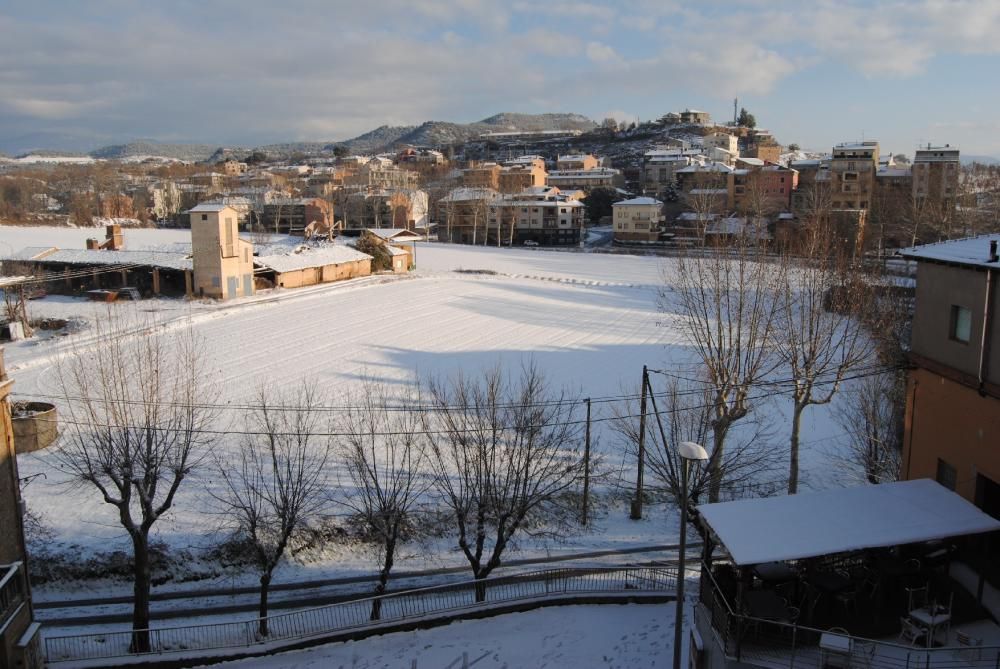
993,251
93,244
114,240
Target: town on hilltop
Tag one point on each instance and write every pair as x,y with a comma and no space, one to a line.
308,402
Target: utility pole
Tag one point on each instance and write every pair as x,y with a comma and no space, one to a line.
637,502
586,468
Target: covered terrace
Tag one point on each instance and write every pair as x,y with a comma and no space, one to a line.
845,577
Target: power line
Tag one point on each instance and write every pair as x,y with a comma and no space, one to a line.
486,428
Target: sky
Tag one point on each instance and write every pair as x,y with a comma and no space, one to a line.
247,72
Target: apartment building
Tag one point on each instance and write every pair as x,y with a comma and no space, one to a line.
852,174
585,180
577,161
516,177
463,215
952,422
539,215
721,140
935,174
486,175
234,168
639,219
659,167
380,173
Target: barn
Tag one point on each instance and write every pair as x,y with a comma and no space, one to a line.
307,266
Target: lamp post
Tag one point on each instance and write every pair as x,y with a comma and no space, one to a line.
689,452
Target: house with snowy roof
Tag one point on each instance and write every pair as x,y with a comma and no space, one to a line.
639,219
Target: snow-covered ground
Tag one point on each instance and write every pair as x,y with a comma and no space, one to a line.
627,636
589,321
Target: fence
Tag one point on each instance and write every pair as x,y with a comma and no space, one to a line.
778,645
356,615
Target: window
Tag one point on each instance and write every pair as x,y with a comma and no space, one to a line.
960,327
204,217
946,474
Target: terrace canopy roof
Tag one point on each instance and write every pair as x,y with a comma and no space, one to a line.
793,527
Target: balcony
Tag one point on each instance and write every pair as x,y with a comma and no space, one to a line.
12,592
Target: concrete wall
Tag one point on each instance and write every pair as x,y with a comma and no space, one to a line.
938,288
310,276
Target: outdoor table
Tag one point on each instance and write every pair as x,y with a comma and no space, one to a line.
931,620
775,572
766,605
834,646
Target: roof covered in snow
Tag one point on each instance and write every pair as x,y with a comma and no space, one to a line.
793,527
972,251
638,201
304,257
206,207
395,234
161,259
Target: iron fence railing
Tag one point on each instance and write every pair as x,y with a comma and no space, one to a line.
780,645
358,614
11,589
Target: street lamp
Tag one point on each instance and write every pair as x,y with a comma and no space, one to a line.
689,452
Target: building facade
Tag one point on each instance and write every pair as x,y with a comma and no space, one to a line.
19,639
222,262
952,421
637,220
540,215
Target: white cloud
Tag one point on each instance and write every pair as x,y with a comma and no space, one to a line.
602,54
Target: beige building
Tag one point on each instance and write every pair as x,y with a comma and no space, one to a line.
637,220
223,263
486,175
935,175
579,161
852,175
722,140
515,178
585,180
234,168
307,266
19,636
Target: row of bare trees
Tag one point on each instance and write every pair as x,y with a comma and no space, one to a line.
483,458
796,325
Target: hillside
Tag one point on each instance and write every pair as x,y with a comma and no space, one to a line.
383,138
442,133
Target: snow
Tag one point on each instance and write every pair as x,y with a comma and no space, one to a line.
165,259
589,320
839,521
637,201
972,251
632,635
307,256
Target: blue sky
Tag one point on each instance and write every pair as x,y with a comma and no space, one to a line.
229,71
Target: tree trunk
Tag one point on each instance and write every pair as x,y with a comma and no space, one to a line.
140,594
383,579
715,470
265,584
793,455
480,587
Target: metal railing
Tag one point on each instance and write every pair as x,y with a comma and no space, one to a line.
11,589
781,645
409,605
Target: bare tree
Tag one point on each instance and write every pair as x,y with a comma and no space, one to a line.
820,336
683,411
278,482
727,298
505,452
872,418
385,452
135,430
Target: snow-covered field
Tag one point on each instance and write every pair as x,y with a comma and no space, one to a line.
589,321
632,636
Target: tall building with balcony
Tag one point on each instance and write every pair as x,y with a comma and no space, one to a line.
935,173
